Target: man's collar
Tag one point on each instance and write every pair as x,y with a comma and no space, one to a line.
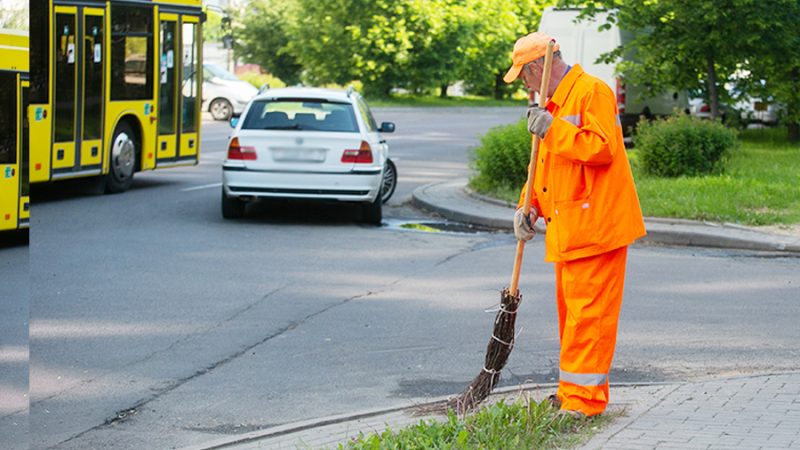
565,86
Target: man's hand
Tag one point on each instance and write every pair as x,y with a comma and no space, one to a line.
539,120
523,226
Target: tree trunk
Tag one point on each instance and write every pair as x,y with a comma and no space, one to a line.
443,91
713,95
794,132
498,86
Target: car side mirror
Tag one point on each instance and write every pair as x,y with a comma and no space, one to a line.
234,121
387,127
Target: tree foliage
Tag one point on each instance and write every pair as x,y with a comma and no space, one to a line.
419,45
706,45
264,38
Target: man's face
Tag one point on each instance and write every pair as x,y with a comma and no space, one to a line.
532,75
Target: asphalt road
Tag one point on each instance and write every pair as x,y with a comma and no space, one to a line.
14,297
157,324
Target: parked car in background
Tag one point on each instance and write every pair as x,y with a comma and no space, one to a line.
583,42
224,95
308,143
749,110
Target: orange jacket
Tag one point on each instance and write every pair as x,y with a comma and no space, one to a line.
583,185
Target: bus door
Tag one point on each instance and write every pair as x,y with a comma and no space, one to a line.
93,57
78,100
24,166
65,71
9,155
169,60
190,88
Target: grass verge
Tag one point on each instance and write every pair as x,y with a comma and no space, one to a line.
759,185
523,424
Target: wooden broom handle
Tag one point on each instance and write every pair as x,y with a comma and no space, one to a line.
526,207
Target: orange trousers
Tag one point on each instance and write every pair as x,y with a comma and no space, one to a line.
589,296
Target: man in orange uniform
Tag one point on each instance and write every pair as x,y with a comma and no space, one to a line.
584,190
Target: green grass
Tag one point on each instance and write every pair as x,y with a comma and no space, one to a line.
520,425
760,185
435,101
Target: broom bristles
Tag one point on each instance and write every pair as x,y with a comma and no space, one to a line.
497,351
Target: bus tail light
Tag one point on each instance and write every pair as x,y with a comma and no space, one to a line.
236,151
362,155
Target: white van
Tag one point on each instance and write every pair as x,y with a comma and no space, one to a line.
583,43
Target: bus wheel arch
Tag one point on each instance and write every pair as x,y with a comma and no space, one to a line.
125,155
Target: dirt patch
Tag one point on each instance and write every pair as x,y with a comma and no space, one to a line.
786,230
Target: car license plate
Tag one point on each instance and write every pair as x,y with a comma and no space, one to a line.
316,155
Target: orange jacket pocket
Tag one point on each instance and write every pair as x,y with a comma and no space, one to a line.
577,224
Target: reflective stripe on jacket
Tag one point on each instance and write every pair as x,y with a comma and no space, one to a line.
583,185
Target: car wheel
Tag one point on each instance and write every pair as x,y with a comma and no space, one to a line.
232,207
122,164
389,182
372,213
221,109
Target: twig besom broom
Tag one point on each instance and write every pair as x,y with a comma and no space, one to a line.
502,341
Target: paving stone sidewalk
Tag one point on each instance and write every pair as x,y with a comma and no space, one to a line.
752,412
755,412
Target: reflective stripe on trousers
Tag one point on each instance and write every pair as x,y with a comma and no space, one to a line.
589,297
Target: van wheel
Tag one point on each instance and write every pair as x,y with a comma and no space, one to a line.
221,109
232,207
372,213
122,163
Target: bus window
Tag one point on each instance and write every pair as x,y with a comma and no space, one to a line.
65,53
166,101
131,52
190,82
93,78
8,119
39,52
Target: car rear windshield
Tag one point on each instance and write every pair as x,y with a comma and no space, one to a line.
300,114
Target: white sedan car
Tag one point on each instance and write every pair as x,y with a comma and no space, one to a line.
308,143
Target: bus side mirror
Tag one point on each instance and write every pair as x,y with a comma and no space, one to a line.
234,121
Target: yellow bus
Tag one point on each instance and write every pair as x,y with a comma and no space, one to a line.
114,88
14,201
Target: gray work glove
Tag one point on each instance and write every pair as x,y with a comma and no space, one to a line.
523,226
539,120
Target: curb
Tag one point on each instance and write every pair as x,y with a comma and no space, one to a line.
454,201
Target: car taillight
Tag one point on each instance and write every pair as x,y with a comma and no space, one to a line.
620,96
236,151
705,108
362,155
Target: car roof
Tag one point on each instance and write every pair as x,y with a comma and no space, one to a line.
304,92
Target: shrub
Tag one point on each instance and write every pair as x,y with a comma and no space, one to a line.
682,146
501,161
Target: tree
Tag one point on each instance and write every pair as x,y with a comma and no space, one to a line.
440,31
497,25
681,44
343,40
774,65
264,38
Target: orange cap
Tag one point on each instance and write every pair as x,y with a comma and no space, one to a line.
526,49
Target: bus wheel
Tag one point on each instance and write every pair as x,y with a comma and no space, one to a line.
123,159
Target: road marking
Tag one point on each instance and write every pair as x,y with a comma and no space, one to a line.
205,186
